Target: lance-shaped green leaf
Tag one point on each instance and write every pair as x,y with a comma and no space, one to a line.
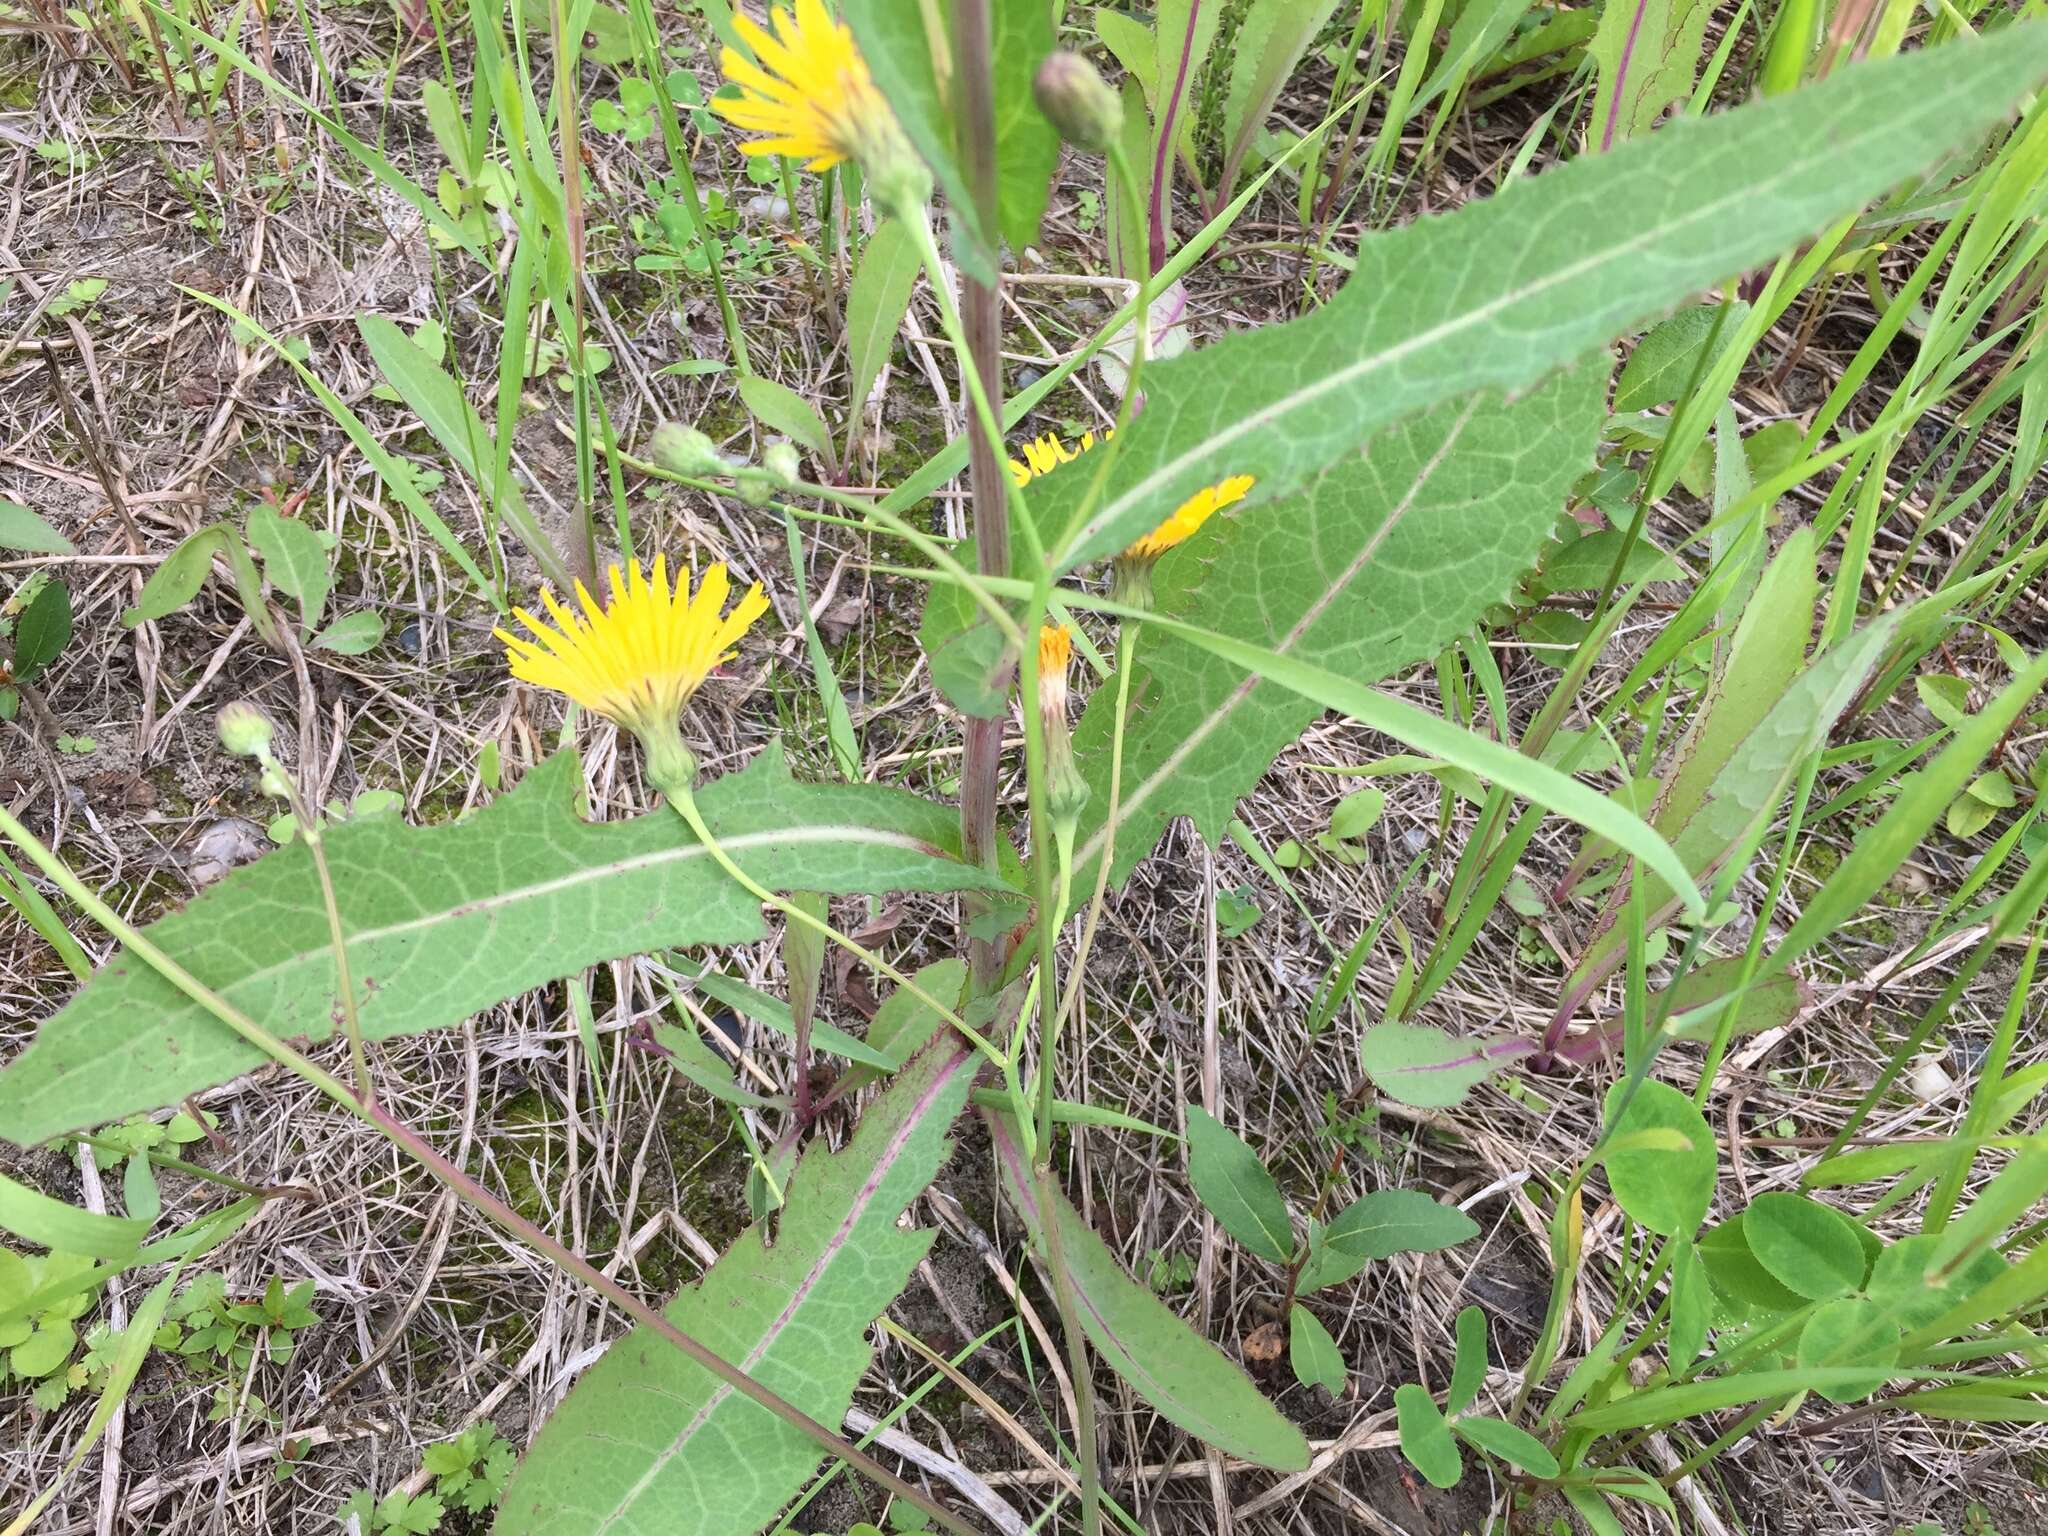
1385,561
1506,289
1236,1188
650,1443
1645,54
444,921
1166,1362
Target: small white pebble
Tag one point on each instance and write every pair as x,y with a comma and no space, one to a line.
1929,1080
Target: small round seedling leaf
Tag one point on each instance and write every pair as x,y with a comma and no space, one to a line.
1312,1352
1851,1331
44,1350
353,633
1660,1158
1426,1439
1807,1247
1505,1442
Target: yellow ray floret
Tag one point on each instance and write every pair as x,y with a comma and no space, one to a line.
811,92
1044,454
1055,649
638,659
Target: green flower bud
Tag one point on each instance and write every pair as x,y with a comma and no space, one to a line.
244,729
785,467
1078,101
685,451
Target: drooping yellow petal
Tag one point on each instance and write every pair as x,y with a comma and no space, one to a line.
639,659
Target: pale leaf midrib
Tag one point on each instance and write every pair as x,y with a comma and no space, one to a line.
870,1188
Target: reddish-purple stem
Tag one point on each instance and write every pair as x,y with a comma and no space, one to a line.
1162,157
1628,49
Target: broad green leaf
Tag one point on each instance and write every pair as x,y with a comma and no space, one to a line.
1237,1189
433,395
177,579
1644,54
1316,1359
780,407
1509,1443
651,1442
1724,1250
1703,994
1391,1221
293,558
1425,1067
1663,362
1507,289
444,921
1325,1266
899,55
352,634
1851,1331
42,631
1807,1247
1426,1439
22,530
36,1218
1173,1368
1468,1366
875,305
1387,560
905,1021
1027,145
1583,564
1666,1188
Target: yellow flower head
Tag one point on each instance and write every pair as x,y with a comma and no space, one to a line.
813,97
1055,649
638,659
1189,516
